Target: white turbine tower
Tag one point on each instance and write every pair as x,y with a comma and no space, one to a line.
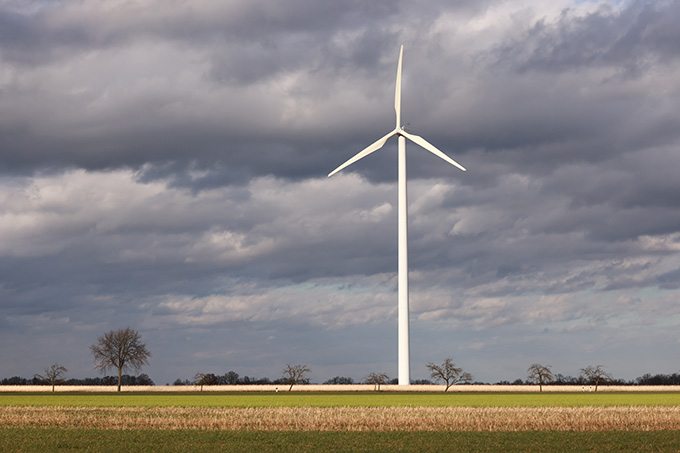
404,348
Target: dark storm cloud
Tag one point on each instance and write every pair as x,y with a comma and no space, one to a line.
670,280
149,116
34,35
554,95
28,39
95,113
632,39
163,166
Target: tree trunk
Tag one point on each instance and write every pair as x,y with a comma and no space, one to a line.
119,377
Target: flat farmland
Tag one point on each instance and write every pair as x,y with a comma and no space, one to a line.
338,399
340,421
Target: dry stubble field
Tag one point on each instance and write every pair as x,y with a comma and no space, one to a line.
616,418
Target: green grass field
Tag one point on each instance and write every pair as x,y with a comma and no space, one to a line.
87,439
41,440
341,399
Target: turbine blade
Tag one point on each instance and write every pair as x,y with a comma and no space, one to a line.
397,90
428,146
365,152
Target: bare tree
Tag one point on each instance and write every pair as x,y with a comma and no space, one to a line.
295,374
449,373
595,374
120,349
540,375
54,374
205,379
377,379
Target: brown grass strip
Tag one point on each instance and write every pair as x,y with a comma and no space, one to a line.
642,418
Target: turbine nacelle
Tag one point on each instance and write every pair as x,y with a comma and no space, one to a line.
417,139
399,130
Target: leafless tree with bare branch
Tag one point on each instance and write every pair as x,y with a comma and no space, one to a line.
120,349
595,374
295,374
377,379
449,373
540,375
54,374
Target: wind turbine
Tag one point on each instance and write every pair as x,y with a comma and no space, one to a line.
403,312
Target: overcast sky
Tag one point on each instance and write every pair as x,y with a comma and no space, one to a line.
163,166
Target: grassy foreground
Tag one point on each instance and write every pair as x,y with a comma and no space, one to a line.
29,440
335,399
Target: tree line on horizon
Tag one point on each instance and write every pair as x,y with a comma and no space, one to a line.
228,379
122,350
126,380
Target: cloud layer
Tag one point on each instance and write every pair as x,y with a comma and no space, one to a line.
163,166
